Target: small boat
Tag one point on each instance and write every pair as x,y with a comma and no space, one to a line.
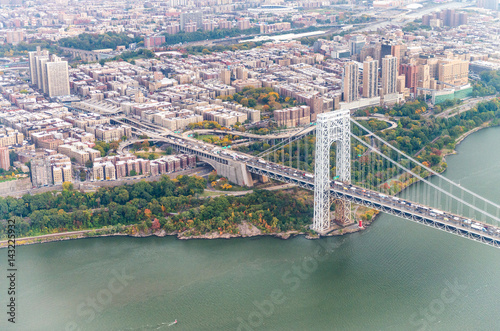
174,322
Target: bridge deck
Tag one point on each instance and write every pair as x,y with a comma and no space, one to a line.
409,210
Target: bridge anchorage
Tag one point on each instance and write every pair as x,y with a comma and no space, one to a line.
331,127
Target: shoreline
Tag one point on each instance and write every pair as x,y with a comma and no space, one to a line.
81,234
465,135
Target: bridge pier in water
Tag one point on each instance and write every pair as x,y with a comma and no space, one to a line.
331,127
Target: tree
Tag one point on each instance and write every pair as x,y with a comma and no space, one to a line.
137,145
133,172
67,186
83,175
151,157
13,157
114,145
89,163
155,226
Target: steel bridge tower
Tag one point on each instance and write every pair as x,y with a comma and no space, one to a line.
331,127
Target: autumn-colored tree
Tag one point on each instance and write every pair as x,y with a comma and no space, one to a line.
114,145
155,226
226,186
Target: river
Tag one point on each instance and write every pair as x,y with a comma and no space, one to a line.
396,275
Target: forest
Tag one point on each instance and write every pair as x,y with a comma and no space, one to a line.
488,85
89,42
185,37
169,204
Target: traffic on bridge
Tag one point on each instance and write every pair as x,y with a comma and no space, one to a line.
482,232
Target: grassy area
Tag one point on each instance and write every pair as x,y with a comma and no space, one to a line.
209,193
145,155
207,137
225,140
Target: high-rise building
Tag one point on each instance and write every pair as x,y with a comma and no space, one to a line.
40,70
33,63
389,74
356,43
244,24
448,17
488,4
463,18
453,71
241,73
370,78
385,49
153,41
56,80
411,76
15,37
350,81
225,76
173,28
49,73
423,76
41,172
4,158
192,17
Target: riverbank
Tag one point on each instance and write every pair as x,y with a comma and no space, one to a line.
465,135
247,230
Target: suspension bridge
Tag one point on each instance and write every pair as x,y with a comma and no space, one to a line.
373,174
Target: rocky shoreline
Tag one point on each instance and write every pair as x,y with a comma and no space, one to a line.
252,232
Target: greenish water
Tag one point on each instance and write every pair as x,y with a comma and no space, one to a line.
396,275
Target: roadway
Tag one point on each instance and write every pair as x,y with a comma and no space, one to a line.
467,105
253,136
458,225
392,124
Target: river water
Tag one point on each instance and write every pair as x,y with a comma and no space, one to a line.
396,275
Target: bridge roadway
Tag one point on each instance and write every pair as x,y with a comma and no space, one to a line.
398,207
412,211
252,136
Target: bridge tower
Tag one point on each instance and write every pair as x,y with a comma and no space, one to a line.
331,127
